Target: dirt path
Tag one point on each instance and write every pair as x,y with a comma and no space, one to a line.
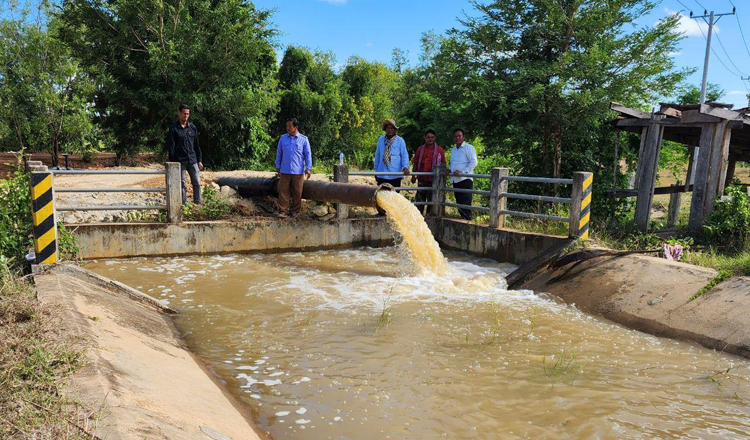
139,378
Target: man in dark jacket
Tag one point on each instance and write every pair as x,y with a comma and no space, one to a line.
182,146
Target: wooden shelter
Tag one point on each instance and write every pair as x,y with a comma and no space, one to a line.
721,134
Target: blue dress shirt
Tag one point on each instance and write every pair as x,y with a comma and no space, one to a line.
399,157
293,154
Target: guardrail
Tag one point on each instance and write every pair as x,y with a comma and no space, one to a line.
580,200
43,201
172,188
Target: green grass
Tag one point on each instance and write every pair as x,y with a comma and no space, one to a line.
34,365
737,264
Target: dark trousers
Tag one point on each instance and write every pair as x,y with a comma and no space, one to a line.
290,186
463,198
396,183
424,196
195,181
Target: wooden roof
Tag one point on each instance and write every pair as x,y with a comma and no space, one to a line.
682,123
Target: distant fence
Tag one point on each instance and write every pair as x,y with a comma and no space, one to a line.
580,200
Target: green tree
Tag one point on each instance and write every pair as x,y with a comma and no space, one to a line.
370,87
148,57
691,94
538,76
44,96
311,92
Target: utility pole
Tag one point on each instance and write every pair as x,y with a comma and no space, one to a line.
746,78
712,20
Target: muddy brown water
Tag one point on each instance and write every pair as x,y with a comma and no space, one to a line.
345,345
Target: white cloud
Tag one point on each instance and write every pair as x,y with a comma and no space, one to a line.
737,92
691,27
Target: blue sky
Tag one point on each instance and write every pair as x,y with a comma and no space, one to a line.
372,28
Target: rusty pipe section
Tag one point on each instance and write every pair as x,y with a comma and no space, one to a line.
333,192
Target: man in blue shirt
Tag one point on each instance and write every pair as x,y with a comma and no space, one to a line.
293,164
391,155
463,161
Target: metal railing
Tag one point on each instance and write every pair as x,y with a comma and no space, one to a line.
172,189
498,195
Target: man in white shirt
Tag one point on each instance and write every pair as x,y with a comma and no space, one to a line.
463,161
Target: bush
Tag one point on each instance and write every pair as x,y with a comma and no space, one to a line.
212,208
15,216
729,224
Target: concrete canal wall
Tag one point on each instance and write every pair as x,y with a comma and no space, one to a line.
121,240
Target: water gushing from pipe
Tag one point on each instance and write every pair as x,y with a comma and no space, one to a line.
418,241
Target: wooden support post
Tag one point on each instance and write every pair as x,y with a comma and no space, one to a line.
675,202
174,192
438,195
714,139
43,215
638,167
691,165
724,163
648,167
697,202
498,201
341,175
731,166
580,206
717,173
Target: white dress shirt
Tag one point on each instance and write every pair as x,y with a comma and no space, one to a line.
463,159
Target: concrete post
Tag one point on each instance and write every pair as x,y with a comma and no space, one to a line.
675,202
341,175
438,195
580,207
174,192
498,201
43,215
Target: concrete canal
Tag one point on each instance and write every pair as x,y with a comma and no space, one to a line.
350,344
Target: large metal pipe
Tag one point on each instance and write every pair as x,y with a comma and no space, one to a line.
333,192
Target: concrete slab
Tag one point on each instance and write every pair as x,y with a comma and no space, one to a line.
138,375
653,295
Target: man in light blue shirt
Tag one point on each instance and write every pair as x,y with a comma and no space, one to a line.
391,155
463,161
293,163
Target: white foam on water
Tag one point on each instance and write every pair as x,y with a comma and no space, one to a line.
301,411
282,413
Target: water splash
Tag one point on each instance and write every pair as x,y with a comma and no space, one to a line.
419,243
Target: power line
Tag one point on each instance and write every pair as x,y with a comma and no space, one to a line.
744,40
683,5
700,5
713,18
727,54
717,55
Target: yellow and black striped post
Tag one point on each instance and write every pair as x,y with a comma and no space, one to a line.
580,209
43,216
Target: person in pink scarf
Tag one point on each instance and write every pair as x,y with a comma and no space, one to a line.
427,156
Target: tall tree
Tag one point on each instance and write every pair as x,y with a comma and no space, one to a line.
311,92
44,96
150,56
539,75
